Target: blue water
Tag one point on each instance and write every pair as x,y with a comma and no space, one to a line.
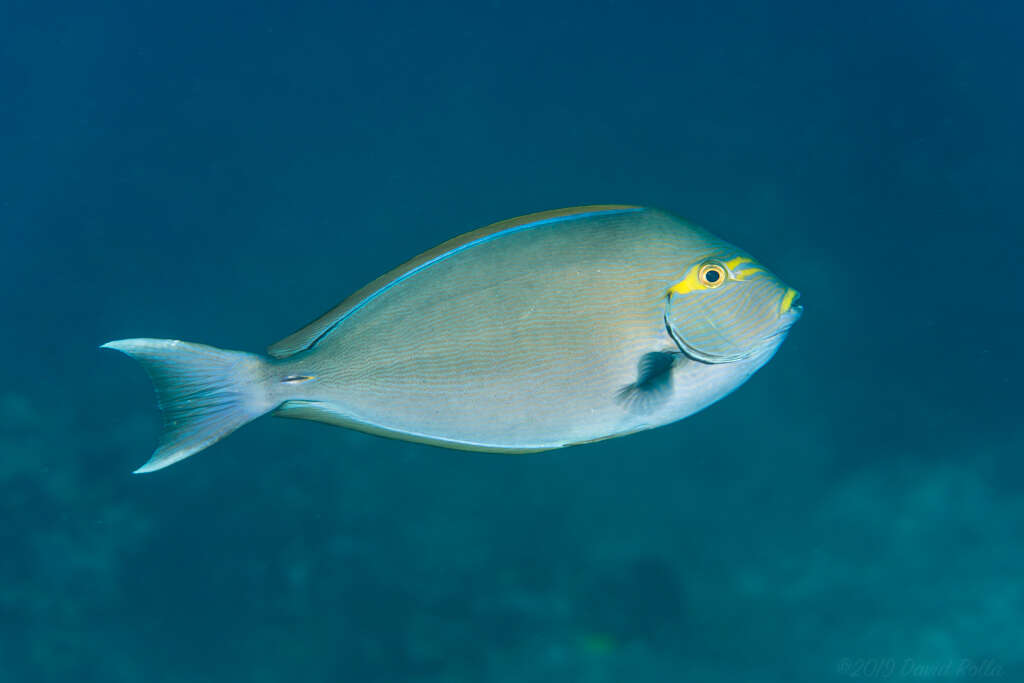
224,172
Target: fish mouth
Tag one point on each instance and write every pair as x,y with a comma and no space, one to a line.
793,312
786,322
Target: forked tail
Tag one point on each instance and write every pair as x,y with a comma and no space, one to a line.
204,393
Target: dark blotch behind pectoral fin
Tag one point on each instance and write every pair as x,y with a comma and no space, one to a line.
653,384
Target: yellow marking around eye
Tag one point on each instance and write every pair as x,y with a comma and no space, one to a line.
734,263
787,300
748,267
689,283
746,273
740,268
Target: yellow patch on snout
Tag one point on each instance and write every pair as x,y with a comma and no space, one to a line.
787,300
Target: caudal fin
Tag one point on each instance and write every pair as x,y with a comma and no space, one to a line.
204,393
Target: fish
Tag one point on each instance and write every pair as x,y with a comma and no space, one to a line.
549,330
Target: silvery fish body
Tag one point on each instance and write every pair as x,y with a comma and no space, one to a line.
544,331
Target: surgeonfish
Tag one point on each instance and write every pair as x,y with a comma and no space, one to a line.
548,330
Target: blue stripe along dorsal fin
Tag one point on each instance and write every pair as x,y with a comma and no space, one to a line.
308,336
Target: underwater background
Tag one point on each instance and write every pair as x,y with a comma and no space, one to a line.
224,172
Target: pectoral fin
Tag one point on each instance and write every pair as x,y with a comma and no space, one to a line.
653,384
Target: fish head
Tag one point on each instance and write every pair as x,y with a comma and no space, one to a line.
727,307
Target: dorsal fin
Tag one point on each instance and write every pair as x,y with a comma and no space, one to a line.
311,333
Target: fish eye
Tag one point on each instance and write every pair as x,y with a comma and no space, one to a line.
711,274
